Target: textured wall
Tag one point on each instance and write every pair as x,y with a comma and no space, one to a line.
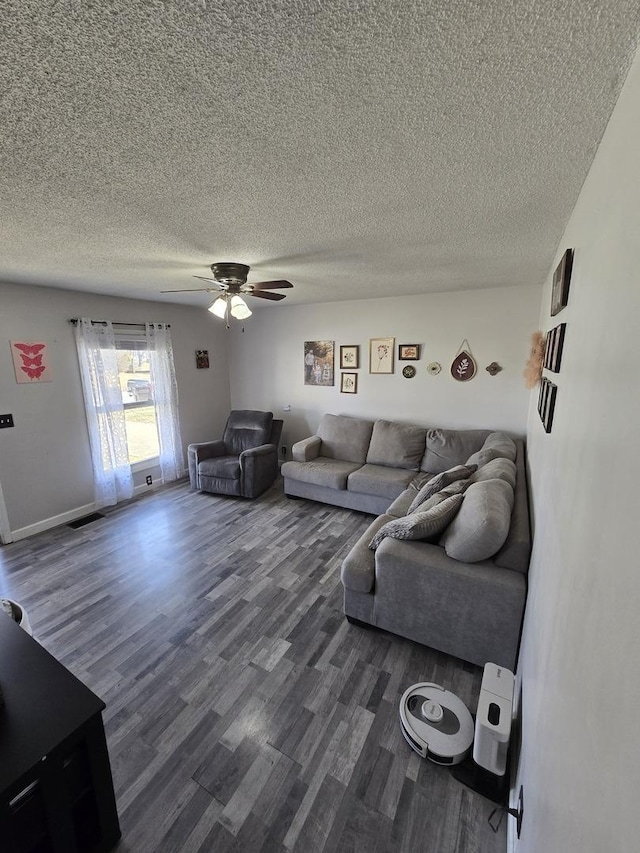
266,362
579,663
45,466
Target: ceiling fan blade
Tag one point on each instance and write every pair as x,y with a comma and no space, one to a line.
275,297
191,290
210,280
272,285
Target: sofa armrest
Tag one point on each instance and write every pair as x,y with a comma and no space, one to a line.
262,450
307,449
204,450
359,566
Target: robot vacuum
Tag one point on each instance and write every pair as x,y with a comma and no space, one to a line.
436,723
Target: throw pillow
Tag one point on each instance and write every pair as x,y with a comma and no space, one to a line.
420,525
437,483
498,445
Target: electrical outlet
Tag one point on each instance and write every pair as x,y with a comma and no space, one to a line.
6,421
283,449
149,479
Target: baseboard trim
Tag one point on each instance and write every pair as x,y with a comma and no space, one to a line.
54,521
72,514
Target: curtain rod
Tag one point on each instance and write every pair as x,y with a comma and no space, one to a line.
74,322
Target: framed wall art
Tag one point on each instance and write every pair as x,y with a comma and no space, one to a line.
318,362
349,357
202,359
381,355
408,352
561,281
553,348
349,383
547,403
31,361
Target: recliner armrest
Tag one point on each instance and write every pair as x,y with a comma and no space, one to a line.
307,449
262,450
204,450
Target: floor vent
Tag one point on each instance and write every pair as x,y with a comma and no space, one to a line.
80,522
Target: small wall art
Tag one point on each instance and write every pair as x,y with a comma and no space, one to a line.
408,371
493,369
553,348
381,355
349,357
31,361
408,352
561,282
547,403
318,362
202,359
349,383
463,366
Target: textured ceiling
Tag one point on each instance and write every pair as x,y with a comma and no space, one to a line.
360,148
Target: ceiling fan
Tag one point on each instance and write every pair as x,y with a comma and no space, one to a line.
230,280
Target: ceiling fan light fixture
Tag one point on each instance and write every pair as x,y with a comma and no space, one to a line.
219,307
239,308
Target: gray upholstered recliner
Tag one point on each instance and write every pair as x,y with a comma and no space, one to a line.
244,462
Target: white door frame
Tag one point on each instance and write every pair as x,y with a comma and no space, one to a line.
5,530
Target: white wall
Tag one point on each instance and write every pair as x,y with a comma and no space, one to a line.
580,659
45,466
267,360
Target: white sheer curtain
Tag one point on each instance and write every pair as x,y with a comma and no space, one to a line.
165,395
112,476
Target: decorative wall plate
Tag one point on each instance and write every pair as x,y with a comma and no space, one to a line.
463,366
434,367
409,371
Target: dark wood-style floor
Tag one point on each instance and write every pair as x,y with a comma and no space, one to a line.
243,712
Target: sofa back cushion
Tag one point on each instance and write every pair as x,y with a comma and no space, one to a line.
396,445
448,447
496,469
498,445
481,526
345,438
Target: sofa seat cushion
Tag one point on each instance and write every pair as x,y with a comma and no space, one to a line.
435,484
448,447
498,445
379,480
481,526
426,525
225,467
345,438
396,445
358,568
321,472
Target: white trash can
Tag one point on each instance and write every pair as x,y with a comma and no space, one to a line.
17,613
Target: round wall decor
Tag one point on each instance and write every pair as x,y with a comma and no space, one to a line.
433,368
409,371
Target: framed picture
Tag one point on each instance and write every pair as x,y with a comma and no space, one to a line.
553,348
408,352
561,281
349,383
381,355
547,403
31,361
202,358
318,362
350,357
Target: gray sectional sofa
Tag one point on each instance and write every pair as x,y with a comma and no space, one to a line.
459,587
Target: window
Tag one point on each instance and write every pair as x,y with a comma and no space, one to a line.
134,377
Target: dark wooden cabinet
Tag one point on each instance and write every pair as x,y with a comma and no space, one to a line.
56,791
